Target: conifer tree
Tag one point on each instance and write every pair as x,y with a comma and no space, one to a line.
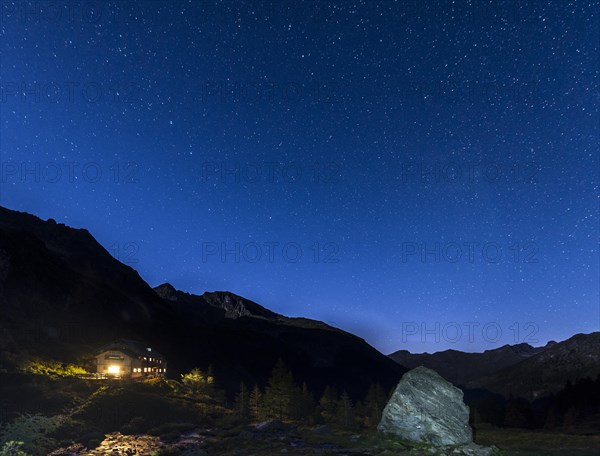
345,412
328,405
373,406
242,401
306,406
280,393
256,403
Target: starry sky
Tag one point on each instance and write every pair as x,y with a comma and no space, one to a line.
424,174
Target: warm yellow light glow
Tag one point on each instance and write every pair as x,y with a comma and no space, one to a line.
114,369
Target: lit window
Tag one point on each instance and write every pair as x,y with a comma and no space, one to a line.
115,370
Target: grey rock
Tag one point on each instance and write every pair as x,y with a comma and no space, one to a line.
235,308
427,408
167,291
322,429
479,450
272,426
473,449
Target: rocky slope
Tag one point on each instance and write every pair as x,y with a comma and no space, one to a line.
224,304
461,367
518,370
62,295
548,371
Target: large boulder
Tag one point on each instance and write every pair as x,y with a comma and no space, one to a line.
427,408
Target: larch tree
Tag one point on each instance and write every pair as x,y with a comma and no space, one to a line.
280,393
256,403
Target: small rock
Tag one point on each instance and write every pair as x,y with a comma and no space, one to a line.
323,429
272,426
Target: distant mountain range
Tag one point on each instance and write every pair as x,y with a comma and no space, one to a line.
62,295
463,367
518,370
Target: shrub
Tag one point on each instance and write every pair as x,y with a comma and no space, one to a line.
231,420
12,448
170,437
171,451
32,431
154,386
112,409
68,429
128,429
53,369
197,381
93,443
137,425
92,439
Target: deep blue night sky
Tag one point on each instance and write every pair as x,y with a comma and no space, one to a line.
394,164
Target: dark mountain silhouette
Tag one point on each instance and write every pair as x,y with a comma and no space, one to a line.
62,295
548,371
461,367
515,370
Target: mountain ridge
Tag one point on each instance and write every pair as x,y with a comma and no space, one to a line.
548,371
519,370
236,306
82,297
505,346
